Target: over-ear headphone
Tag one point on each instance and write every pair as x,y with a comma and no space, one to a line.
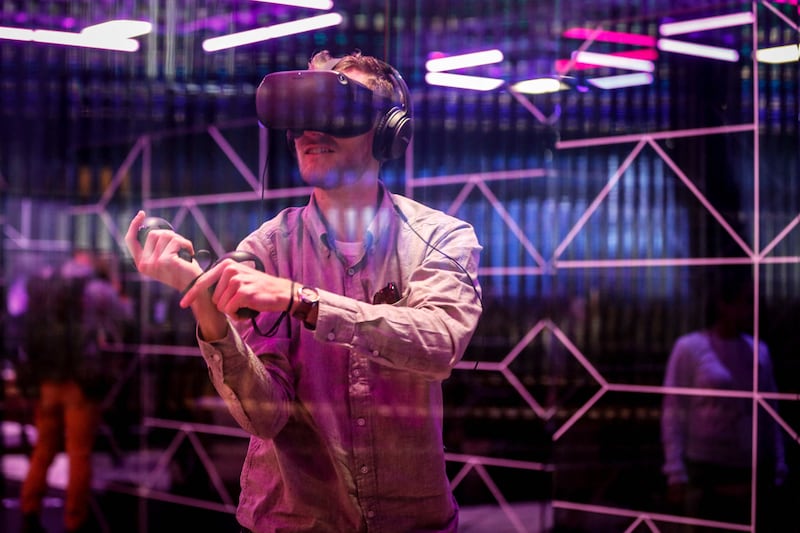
395,127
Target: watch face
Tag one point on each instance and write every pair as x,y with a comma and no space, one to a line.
309,294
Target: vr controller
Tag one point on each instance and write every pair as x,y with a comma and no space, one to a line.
151,223
318,100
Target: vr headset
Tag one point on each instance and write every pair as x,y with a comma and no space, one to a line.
330,102
319,100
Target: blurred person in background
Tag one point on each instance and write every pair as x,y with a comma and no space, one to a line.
74,312
708,439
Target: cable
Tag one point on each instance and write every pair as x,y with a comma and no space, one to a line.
454,261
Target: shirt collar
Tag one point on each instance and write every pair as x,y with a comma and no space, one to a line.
377,230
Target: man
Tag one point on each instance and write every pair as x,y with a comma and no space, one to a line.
344,399
74,313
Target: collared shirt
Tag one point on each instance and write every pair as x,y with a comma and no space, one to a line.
346,419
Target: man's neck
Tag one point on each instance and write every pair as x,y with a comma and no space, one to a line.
350,209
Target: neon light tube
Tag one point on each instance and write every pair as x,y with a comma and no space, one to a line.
704,24
475,59
779,54
624,80
608,60
699,50
271,32
112,35
649,54
313,4
605,36
459,81
16,34
540,86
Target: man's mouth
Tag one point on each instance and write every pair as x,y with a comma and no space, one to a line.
319,150
314,150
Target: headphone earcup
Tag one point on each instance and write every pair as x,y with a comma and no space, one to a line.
392,134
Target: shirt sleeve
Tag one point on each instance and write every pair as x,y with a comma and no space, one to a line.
428,330
257,390
674,416
770,385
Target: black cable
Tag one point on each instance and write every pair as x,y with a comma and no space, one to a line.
454,261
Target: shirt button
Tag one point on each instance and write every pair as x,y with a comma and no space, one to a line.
375,353
361,421
331,336
370,514
364,469
350,271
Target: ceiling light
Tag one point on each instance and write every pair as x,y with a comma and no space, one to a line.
699,50
649,54
615,61
704,24
313,4
605,36
271,32
540,86
779,54
459,81
623,80
475,59
112,35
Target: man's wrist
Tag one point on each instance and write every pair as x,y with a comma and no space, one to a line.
306,304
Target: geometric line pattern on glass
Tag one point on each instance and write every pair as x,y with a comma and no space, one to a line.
478,464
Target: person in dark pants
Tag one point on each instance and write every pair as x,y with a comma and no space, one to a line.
73,313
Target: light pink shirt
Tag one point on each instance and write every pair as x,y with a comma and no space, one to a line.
346,420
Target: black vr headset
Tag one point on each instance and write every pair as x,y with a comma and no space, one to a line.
330,102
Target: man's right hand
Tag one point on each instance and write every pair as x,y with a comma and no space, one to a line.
159,257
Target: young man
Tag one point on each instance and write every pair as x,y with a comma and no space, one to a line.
344,399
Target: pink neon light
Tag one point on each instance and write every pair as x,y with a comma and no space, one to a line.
271,32
605,36
614,61
704,24
699,50
313,4
647,54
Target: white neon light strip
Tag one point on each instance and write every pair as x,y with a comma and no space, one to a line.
313,4
624,80
607,60
699,50
779,54
114,35
475,59
459,81
540,86
271,32
705,24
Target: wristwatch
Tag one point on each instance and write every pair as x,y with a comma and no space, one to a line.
307,299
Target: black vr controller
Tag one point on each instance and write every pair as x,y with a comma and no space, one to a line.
240,256
151,223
